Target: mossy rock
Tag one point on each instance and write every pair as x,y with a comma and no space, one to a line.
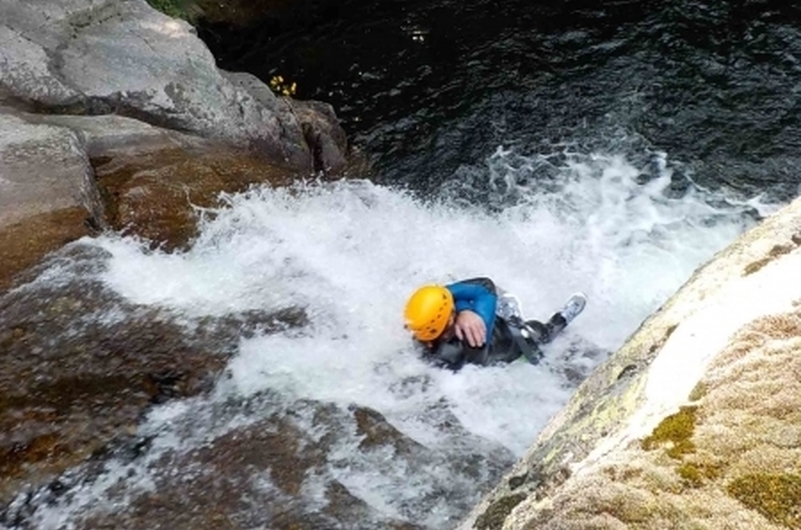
694,474
699,391
674,432
775,496
497,512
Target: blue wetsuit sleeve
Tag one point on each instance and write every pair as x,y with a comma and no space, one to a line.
477,298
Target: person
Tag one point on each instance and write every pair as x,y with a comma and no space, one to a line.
474,321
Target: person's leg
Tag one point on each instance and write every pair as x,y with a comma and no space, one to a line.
544,333
573,307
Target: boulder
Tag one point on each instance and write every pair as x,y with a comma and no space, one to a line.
317,120
63,177
45,184
114,115
124,57
42,169
693,423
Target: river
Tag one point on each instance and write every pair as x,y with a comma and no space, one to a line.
608,147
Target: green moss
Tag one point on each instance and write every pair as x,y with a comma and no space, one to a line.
699,391
775,496
497,512
775,252
694,474
691,475
675,432
174,8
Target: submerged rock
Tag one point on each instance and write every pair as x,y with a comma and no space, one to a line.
693,422
82,366
265,461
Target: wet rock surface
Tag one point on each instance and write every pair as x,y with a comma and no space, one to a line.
64,177
23,244
84,442
124,57
118,90
256,462
691,422
82,366
161,195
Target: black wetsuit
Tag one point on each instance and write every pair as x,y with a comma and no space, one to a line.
510,339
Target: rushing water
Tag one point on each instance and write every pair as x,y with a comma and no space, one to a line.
349,253
609,147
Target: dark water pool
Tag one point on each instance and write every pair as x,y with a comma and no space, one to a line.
428,86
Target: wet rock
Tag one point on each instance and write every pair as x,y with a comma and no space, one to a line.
159,195
291,466
64,177
377,432
693,421
114,86
45,178
23,244
121,90
82,366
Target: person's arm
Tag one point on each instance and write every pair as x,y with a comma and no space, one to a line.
475,302
471,328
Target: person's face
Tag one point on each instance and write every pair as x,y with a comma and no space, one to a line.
447,333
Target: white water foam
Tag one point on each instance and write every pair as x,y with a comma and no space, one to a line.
351,252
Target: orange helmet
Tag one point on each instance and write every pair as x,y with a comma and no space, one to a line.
428,311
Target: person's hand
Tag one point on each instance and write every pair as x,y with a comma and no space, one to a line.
470,326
